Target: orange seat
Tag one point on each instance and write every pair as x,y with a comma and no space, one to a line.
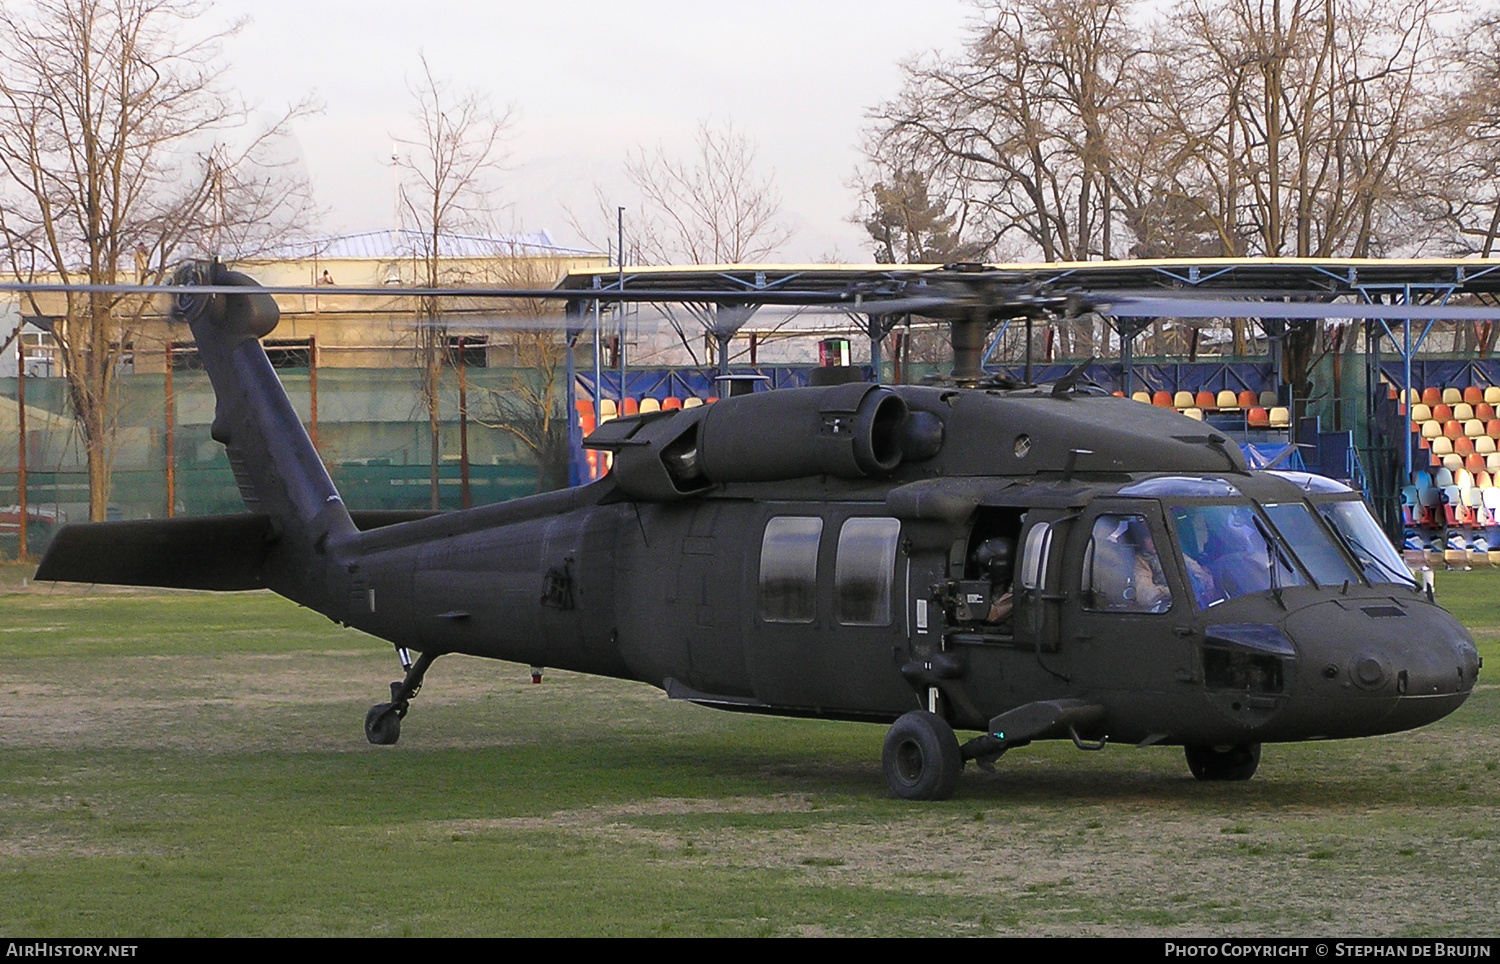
1453,428
1484,411
1259,418
1442,412
1248,399
671,404
1474,462
1205,400
1463,446
1473,394
585,407
632,406
1432,396
1492,428
1164,399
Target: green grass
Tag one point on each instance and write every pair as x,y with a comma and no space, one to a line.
183,764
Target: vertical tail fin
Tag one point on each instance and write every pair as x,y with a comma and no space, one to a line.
278,470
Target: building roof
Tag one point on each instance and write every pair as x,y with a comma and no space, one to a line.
397,243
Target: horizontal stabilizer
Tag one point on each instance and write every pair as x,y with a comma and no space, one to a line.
212,552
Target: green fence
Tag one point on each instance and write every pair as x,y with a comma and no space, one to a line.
372,431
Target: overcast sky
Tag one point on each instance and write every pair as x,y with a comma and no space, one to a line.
588,80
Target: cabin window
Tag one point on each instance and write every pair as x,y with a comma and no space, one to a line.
865,568
1122,570
789,569
1034,557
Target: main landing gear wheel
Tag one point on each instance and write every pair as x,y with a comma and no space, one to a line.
1223,762
382,725
922,760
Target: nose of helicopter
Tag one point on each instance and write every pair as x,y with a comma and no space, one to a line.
1383,665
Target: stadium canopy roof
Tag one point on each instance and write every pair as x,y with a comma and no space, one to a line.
1422,280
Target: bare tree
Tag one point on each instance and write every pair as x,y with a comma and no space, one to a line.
1020,131
116,149
1461,189
458,147
711,207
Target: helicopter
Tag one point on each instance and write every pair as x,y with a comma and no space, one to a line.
1021,562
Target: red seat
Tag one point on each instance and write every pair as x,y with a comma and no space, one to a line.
632,406
1474,462
1164,399
1259,418
1453,428
1442,412
1432,396
1473,394
1463,446
1249,399
1205,400
1484,410
674,403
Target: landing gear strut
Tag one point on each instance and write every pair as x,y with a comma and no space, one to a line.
383,721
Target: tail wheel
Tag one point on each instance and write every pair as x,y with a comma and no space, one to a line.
1223,762
382,724
921,757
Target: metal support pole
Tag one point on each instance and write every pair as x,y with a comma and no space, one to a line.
876,336
598,362
312,388
171,436
463,427
21,552
620,305
1028,349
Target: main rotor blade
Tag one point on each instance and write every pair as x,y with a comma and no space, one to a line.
747,297
1169,307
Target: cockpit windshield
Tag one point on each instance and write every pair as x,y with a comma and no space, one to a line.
1368,544
1229,552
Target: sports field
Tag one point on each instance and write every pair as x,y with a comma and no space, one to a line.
190,764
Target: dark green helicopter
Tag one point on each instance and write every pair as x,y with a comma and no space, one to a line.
1041,562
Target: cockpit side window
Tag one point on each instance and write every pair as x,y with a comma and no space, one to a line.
1122,568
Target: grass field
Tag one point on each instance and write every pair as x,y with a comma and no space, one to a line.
184,764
